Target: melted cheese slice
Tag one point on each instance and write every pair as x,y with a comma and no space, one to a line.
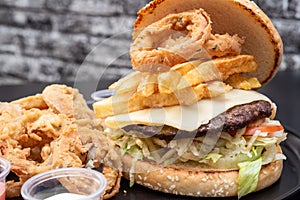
187,118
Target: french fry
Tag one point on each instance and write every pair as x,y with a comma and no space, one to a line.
148,85
184,68
217,88
239,81
167,81
113,105
190,95
204,72
186,96
218,69
127,83
129,102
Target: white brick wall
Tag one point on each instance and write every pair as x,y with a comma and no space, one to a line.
48,40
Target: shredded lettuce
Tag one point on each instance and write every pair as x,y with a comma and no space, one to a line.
213,156
228,151
248,176
223,150
132,171
264,142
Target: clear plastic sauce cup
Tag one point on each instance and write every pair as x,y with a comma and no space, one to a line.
4,171
66,184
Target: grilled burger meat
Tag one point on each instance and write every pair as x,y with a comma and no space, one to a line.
230,121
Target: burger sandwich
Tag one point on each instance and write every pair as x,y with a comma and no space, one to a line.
188,119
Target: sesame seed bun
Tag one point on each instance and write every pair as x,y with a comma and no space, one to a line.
242,17
192,181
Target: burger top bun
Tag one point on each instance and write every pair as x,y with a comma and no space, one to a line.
241,17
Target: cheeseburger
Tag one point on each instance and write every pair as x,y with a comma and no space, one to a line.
188,119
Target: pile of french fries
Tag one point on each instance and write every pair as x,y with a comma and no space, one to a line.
183,84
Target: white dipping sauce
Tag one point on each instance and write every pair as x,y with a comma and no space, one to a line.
66,196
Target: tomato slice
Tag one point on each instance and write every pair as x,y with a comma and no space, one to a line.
270,129
232,133
266,129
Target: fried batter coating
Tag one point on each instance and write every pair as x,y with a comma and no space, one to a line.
224,45
35,141
55,129
178,38
173,39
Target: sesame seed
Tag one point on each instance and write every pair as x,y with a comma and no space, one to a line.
213,191
172,187
264,172
166,191
140,177
198,193
145,178
221,191
161,171
227,193
148,171
148,185
226,186
176,178
181,193
216,185
159,185
171,178
204,179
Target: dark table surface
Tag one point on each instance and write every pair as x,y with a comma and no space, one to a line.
284,90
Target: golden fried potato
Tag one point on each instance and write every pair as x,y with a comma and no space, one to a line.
185,67
127,83
167,81
218,69
148,85
206,71
129,102
114,104
239,81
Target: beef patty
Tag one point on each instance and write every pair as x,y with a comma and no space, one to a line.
233,119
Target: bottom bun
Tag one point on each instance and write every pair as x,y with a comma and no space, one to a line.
198,182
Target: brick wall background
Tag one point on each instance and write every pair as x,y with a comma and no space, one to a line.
67,40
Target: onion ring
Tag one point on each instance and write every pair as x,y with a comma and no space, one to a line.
172,40
224,45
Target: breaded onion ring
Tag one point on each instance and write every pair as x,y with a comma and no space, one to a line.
172,40
224,45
